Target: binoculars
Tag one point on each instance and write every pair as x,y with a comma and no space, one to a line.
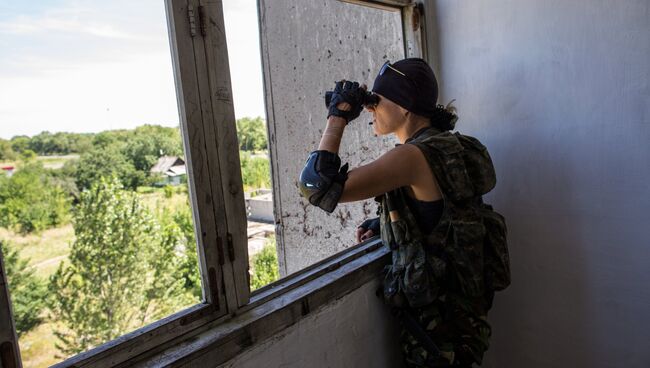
369,98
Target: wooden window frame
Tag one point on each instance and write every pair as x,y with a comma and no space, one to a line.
202,75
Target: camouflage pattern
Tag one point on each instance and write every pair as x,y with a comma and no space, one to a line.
447,279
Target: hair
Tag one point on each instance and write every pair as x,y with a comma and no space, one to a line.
444,117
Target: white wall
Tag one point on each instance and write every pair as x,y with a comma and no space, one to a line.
559,91
354,332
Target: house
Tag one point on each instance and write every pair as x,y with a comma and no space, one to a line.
171,169
8,170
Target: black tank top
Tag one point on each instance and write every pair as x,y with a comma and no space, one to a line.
427,214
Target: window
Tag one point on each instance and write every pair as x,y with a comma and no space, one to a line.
212,161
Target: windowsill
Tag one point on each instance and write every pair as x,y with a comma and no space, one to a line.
273,308
196,331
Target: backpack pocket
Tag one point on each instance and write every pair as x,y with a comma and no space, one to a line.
410,273
465,254
497,258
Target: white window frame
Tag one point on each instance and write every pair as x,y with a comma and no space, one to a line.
202,75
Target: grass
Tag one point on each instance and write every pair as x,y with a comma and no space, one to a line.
45,250
55,162
37,347
49,162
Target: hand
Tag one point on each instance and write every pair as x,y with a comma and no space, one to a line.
367,229
364,234
346,100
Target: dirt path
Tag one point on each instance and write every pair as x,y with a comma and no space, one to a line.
48,262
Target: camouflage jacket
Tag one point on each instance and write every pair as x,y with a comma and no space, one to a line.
466,253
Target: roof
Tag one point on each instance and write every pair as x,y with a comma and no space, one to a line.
176,170
165,163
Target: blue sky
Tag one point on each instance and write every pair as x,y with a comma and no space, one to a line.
88,66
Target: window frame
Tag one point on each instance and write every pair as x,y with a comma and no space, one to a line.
204,94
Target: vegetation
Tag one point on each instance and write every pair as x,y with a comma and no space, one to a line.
122,273
255,171
30,200
251,134
28,292
265,266
96,251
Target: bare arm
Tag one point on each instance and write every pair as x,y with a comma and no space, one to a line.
403,165
331,139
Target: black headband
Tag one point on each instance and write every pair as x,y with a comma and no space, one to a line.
409,83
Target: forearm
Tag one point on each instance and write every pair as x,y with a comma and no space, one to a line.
331,138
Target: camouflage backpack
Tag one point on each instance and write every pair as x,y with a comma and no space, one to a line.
467,252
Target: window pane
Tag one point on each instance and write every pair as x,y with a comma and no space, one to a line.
95,217
307,46
242,35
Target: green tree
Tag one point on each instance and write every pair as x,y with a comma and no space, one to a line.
27,291
30,200
251,134
6,152
123,270
107,161
189,268
149,142
19,143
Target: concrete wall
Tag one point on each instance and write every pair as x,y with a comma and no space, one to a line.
306,47
353,332
559,91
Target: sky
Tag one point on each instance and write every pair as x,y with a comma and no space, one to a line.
89,66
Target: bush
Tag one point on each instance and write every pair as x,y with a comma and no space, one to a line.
265,266
256,171
28,292
169,191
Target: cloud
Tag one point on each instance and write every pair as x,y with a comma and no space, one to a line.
91,66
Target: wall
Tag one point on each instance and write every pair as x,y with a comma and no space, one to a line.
306,47
355,331
559,92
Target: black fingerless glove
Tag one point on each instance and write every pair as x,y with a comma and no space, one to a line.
371,224
345,91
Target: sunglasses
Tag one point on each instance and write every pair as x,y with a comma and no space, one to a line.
387,65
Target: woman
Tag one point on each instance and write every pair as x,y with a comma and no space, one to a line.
432,279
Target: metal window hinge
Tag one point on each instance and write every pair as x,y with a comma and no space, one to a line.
231,248
192,17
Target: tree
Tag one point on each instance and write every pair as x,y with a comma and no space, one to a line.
147,143
19,143
122,273
6,152
251,134
106,162
31,201
28,292
189,268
